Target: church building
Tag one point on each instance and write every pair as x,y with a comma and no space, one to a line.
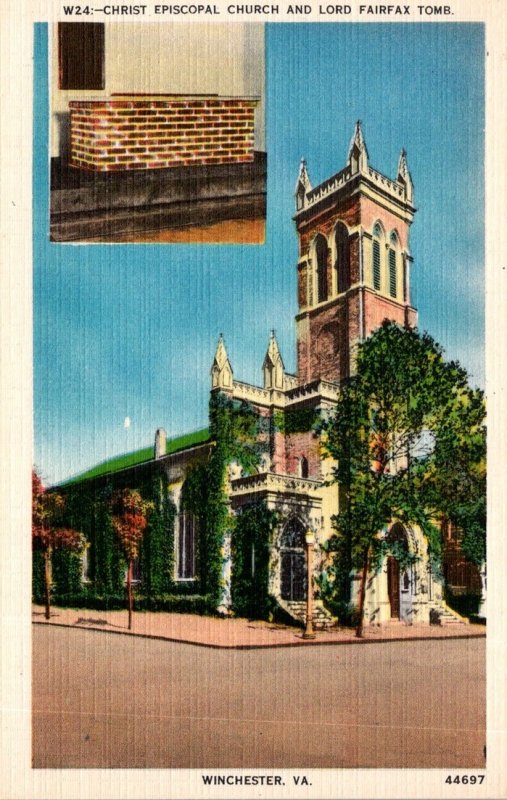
353,272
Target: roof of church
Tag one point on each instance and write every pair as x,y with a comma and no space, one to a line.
138,457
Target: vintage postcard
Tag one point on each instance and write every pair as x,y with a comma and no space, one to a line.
253,374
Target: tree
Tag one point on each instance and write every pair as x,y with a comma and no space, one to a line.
408,440
47,532
130,519
453,483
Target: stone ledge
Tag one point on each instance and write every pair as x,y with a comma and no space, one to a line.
86,205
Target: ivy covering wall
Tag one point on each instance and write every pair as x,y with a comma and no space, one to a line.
88,509
296,420
236,432
157,546
250,546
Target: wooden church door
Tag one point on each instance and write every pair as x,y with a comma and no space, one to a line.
400,581
393,586
406,582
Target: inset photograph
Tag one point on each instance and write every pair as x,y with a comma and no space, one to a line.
157,133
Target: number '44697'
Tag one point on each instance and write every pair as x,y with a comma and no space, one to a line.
465,779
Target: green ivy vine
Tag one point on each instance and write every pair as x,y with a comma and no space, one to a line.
296,420
235,431
250,546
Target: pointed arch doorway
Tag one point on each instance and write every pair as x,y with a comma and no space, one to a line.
399,576
293,577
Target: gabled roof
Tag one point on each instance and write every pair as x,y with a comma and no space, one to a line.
134,459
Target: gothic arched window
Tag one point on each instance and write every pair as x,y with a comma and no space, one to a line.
321,256
377,233
293,577
393,266
342,264
186,547
293,536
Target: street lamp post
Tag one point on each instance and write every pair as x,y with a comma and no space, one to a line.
310,541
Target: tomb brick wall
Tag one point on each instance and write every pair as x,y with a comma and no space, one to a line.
156,133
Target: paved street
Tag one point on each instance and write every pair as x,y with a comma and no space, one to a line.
102,700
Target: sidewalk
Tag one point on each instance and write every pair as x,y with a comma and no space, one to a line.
240,633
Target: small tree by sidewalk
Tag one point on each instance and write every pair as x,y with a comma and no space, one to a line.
47,534
130,519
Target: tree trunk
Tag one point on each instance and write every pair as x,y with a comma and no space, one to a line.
47,581
129,591
362,593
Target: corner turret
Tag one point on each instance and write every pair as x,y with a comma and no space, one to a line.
404,177
358,154
273,367
303,185
221,371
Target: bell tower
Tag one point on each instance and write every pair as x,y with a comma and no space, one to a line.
354,261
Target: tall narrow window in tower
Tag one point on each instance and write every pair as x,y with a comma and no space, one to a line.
393,277
321,254
377,231
186,547
303,467
341,239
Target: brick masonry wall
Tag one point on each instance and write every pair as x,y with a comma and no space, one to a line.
302,285
156,133
331,331
347,211
278,463
377,309
286,449
327,339
302,444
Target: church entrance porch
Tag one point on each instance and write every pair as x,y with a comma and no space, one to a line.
404,588
294,577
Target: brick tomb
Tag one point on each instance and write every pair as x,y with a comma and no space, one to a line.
155,132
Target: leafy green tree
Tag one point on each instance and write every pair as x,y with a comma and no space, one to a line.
48,531
408,440
453,482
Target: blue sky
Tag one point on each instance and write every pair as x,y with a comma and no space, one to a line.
130,330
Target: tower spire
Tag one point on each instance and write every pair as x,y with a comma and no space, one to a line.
404,176
358,154
221,370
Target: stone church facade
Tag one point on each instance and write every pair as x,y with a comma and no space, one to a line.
353,273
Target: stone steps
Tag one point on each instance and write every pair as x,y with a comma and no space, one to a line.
322,619
441,615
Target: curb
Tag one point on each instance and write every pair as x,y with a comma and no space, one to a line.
272,646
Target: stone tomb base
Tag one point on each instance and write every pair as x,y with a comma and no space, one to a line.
104,205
